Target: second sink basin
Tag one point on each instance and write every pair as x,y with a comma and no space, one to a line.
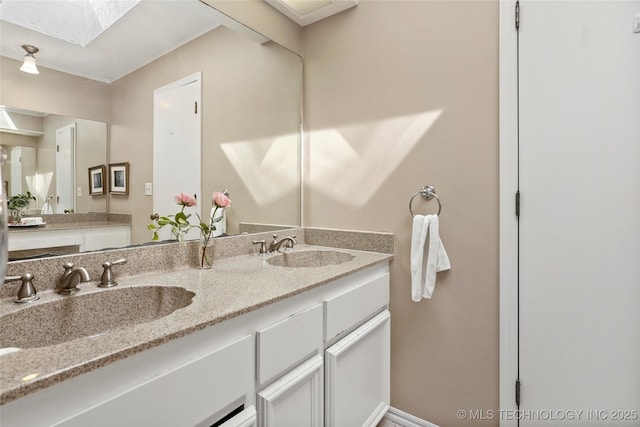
78,316
306,259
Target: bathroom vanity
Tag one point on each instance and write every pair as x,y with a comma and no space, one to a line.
262,343
83,236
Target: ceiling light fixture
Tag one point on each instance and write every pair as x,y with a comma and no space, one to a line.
29,64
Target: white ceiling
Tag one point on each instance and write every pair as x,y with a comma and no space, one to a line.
305,12
147,30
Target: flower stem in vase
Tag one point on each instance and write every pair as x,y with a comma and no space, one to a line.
205,252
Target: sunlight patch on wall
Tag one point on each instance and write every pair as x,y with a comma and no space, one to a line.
268,167
350,163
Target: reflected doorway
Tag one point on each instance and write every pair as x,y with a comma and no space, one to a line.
65,168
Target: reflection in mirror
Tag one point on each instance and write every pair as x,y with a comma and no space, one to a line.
37,166
250,111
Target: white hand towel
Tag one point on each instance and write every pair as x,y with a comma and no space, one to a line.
436,258
46,209
443,259
418,238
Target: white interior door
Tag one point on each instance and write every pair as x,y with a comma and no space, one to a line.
177,148
580,209
28,160
65,168
15,160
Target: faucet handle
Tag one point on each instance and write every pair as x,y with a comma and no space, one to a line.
27,292
263,246
106,281
68,266
116,262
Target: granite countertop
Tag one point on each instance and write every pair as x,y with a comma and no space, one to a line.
234,286
65,226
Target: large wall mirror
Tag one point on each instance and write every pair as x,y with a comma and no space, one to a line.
250,105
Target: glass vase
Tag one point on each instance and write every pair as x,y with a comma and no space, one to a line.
205,252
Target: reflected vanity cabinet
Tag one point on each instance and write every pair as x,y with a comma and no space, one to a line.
37,241
320,358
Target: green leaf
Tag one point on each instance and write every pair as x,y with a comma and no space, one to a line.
20,201
155,236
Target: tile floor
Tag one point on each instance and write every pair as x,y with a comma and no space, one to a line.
387,423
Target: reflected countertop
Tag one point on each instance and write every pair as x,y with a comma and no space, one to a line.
65,226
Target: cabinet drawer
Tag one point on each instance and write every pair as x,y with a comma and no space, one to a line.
350,308
287,342
184,396
246,418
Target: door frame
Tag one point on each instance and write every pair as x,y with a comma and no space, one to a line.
508,242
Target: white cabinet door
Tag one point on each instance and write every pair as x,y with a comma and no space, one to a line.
295,400
357,375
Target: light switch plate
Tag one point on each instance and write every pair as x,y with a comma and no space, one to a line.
79,191
148,189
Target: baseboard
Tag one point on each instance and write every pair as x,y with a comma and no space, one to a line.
377,415
406,420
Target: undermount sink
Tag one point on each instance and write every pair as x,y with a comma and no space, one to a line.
83,315
306,259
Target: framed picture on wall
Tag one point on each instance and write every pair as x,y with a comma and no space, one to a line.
119,178
97,177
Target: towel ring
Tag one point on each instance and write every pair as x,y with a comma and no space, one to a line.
427,192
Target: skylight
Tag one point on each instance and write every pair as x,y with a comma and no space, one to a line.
56,19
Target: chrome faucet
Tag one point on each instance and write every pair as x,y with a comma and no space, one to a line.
27,292
263,246
68,282
276,244
107,280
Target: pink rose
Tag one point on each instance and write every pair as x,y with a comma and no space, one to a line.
185,200
221,200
